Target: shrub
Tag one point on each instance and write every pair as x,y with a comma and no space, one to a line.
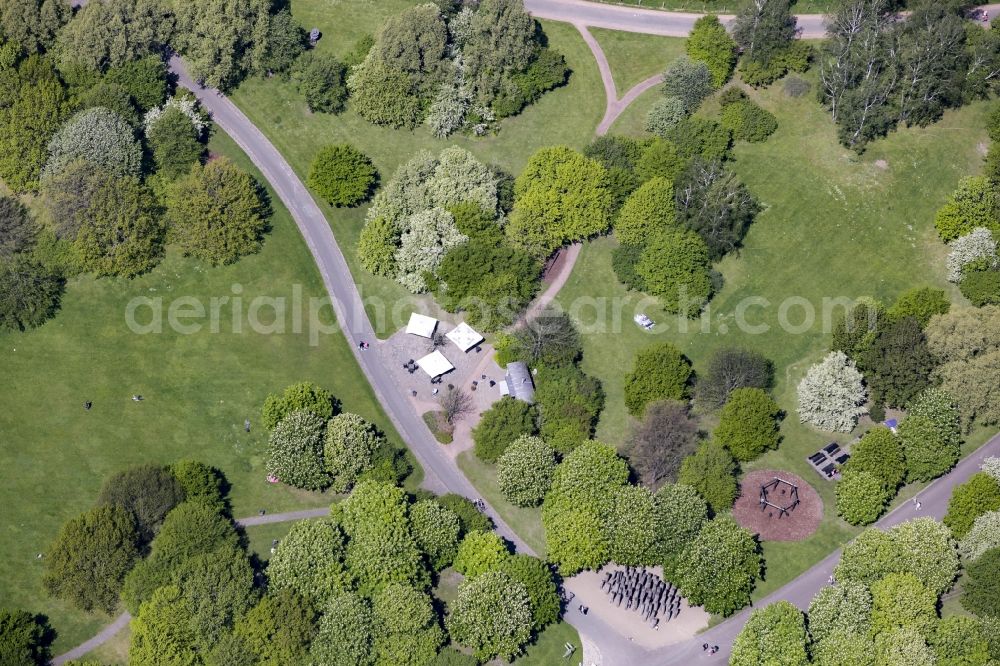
295,451
624,259
659,372
920,303
470,517
664,115
695,136
524,470
748,425
861,497
748,122
342,175
500,425
303,396
981,287
979,495
18,230
91,556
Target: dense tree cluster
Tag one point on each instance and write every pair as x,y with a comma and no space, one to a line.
454,70
437,223
876,72
882,609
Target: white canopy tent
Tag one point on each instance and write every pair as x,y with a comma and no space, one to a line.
421,325
464,337
435,364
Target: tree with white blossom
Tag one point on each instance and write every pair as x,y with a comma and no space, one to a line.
431,233
984,536
991,466
832,394
977,247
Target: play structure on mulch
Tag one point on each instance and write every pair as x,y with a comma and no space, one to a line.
778,506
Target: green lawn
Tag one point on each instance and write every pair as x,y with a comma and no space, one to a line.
549,648
835,225
635,57
632,121
526,522
197,390
566,116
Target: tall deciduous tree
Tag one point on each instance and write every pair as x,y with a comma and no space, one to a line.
89,559
121,235
730,369
714,203
309,560
215,36
346,633
748,424
719,567
711,44
349,449
304,396
278,629
880,454
98,136
162,631
217,212
110,34
680,513
524,470
29,293
23,638
658,443
406,626
436,530
773,634
295,451
30,114
33,24
688,81
561,196
832,394
17,229
764,29
659,372
674,266
146,492
979,495
711,471
492,615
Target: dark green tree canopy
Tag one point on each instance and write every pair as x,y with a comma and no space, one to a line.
659,372
501,424
342,175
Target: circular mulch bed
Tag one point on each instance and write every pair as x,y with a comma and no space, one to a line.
800,522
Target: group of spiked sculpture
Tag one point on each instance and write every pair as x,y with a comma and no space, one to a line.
644,593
